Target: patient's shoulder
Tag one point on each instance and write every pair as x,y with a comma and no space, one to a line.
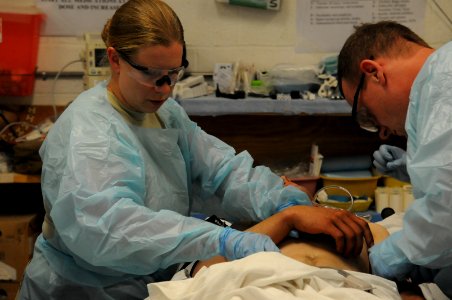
379,232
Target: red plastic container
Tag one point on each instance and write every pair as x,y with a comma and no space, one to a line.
19,42
308,182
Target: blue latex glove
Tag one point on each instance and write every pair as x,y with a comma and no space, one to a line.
236,244
391,160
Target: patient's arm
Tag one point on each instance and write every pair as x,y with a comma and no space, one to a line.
318,251
312,249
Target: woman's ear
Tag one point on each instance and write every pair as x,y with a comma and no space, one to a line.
113,59
373,70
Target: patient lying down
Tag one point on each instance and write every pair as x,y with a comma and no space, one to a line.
314,250
270,275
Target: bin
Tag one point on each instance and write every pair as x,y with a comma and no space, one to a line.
19,43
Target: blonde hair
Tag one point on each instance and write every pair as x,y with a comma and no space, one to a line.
139,23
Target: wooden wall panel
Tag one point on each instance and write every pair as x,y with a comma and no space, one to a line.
287,140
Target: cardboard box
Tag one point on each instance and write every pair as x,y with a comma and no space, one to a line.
17,236
8,290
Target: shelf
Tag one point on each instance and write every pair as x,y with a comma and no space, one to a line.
213,106
19,178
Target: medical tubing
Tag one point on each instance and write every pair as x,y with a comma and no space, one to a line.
6,121
55,113
19,123
323,202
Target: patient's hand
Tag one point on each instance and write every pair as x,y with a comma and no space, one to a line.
349,231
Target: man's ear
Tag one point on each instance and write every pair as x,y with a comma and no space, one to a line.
113,59
373,70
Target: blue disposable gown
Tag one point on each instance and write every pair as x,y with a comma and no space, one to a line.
426,237
119,195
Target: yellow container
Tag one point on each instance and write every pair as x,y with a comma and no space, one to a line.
363,186
389,181
358,205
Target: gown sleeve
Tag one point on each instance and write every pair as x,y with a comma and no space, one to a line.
227,182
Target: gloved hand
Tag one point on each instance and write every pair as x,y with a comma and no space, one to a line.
236,244
391,160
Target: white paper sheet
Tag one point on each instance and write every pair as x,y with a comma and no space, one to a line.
324,25
74,17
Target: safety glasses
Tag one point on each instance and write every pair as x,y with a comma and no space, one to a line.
152,77
362,116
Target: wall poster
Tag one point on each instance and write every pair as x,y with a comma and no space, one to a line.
324,25
75,17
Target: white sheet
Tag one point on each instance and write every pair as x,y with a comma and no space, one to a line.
269,275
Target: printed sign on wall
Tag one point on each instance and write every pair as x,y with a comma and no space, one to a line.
324,25
74,17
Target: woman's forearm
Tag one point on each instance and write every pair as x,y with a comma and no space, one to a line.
276,227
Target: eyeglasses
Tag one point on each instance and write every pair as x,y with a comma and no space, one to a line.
152,77
365,120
